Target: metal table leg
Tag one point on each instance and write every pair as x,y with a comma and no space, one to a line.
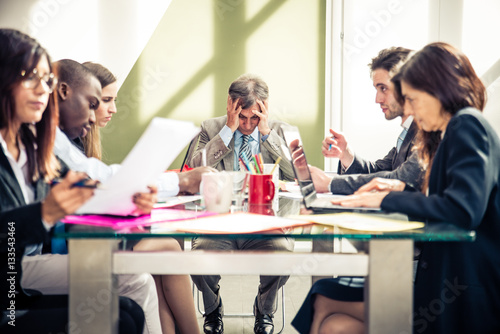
390,302
93,297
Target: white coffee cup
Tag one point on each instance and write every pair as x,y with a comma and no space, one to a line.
217,191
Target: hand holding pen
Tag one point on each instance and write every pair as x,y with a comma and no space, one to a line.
335,146
85,182
64,198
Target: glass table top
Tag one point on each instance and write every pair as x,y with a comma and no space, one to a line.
433,232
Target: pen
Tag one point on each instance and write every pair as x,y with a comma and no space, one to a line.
275,164
330,148
257,167
79,184
247,163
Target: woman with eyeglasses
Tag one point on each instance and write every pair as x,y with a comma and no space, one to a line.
28,207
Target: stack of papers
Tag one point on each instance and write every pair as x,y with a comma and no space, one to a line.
177,200
362,222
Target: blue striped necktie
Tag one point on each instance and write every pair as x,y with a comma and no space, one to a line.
245,148
401,138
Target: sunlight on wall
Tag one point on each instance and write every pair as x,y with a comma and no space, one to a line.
201,46
293,84
178,50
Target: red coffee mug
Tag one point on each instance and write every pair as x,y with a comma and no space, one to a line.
260,189
261,209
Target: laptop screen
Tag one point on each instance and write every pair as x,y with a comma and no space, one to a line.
297,156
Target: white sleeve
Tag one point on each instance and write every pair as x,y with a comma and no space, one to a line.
168,185
77,161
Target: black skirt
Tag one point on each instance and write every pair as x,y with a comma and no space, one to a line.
345,289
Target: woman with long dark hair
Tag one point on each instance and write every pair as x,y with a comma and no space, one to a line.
29,207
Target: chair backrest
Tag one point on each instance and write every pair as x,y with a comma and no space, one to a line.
189,153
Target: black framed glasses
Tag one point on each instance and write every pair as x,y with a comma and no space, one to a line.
32,79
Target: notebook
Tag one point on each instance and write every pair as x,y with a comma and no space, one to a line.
304,179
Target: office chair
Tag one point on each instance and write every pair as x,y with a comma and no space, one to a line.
189,153
236,315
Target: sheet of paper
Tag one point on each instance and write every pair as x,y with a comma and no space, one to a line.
157,148
236,223
362,222
176,200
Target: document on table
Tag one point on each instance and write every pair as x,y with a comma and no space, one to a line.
157,148
177,200
363,222
236,223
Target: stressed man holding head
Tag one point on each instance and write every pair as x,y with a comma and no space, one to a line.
246,128
247,120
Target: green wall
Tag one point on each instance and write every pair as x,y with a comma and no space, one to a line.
201,46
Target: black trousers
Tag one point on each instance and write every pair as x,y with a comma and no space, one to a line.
48,314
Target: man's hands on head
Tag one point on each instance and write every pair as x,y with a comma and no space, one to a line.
335,146
189,182
233,113
64,199
264,128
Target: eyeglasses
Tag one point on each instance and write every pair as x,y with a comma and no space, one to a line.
32,80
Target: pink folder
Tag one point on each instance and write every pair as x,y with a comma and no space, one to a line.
156,216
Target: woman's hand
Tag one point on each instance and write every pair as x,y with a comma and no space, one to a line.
64,199
380,184
144,202
366,200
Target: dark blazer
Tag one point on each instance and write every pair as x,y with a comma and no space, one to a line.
23,222
403,166
221,157
457,287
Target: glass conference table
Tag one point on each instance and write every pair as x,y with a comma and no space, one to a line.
94,260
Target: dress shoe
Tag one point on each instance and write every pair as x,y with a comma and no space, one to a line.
213,322
263,322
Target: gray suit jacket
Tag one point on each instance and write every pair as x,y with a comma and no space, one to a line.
403,166
221,157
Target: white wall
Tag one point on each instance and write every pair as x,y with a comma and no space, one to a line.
110,32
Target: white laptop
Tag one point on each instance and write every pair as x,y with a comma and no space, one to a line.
304,179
